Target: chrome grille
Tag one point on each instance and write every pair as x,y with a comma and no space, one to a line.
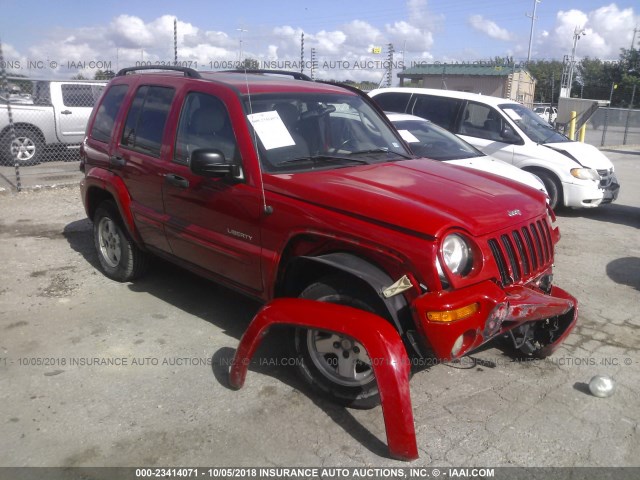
522,253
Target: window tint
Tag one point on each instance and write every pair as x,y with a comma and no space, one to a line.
441,111
393,101
74,95
103,124
205,123
146,119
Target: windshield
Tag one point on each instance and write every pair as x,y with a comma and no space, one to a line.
299,131
431,141
532,125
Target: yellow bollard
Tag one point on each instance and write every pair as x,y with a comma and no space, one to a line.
583,131
572,125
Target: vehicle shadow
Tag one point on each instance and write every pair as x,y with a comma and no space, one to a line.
232,312
79,234
611,213
625,271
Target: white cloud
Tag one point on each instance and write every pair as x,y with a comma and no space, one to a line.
608,29
488,27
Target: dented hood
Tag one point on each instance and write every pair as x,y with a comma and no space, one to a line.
585,154
421,195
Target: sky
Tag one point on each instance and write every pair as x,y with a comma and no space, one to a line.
79,37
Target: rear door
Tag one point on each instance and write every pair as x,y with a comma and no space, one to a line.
73,103
213,223
140,156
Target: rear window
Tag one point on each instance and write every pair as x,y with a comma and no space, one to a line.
105,118
146,119
80,95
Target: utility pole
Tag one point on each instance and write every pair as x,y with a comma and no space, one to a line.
313,63
302,52
175,41
633,39
567,74
533,21
389,64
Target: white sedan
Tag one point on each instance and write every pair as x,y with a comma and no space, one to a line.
427,139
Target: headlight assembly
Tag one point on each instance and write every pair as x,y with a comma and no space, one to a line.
585,174
456,254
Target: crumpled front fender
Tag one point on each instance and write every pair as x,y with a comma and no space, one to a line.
381,341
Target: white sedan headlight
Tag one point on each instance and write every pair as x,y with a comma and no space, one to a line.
585,174
456,254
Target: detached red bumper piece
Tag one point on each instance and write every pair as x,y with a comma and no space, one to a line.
382,342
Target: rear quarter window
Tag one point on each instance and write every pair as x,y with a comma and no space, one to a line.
106,115
146,119
393,101
440,110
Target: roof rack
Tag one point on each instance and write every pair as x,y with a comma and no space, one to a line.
188,72
296,75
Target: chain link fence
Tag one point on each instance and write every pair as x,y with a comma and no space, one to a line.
613,126
42,123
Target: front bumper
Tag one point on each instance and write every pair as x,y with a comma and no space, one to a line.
500,310
611,188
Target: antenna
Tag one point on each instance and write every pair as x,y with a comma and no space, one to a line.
267,209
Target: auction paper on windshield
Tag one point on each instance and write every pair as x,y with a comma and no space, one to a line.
271,129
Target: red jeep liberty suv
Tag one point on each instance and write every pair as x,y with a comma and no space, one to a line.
279,186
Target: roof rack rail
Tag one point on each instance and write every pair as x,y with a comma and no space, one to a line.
296,75
188,72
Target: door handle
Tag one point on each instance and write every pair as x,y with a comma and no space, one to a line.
176,180
117,161
66,112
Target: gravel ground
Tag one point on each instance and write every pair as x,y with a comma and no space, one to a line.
163,401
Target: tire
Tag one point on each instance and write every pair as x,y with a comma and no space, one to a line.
120,258
554,189
27,146
337,366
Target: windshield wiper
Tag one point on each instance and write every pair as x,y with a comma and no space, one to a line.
323,158
379,150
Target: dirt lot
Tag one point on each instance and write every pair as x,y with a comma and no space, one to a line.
163,400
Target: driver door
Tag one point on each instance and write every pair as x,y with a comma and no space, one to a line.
212,222
482,126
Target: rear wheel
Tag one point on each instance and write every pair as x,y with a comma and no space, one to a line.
337,365
119,256
26,147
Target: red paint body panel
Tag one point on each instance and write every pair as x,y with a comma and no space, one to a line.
381,341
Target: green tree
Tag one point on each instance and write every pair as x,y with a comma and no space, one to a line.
548,75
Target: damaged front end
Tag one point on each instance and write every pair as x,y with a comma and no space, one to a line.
536,320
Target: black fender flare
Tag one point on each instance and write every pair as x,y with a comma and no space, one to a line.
373,276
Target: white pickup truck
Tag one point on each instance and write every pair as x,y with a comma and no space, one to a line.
53,117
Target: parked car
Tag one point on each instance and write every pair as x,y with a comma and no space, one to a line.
55,114
427,139
548,114
286,187
575,174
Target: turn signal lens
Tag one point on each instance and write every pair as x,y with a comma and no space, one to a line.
453,315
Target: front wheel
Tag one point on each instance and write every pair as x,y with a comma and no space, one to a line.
338,366
119,256
554,189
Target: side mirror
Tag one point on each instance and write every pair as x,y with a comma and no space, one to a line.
509,136
211,163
